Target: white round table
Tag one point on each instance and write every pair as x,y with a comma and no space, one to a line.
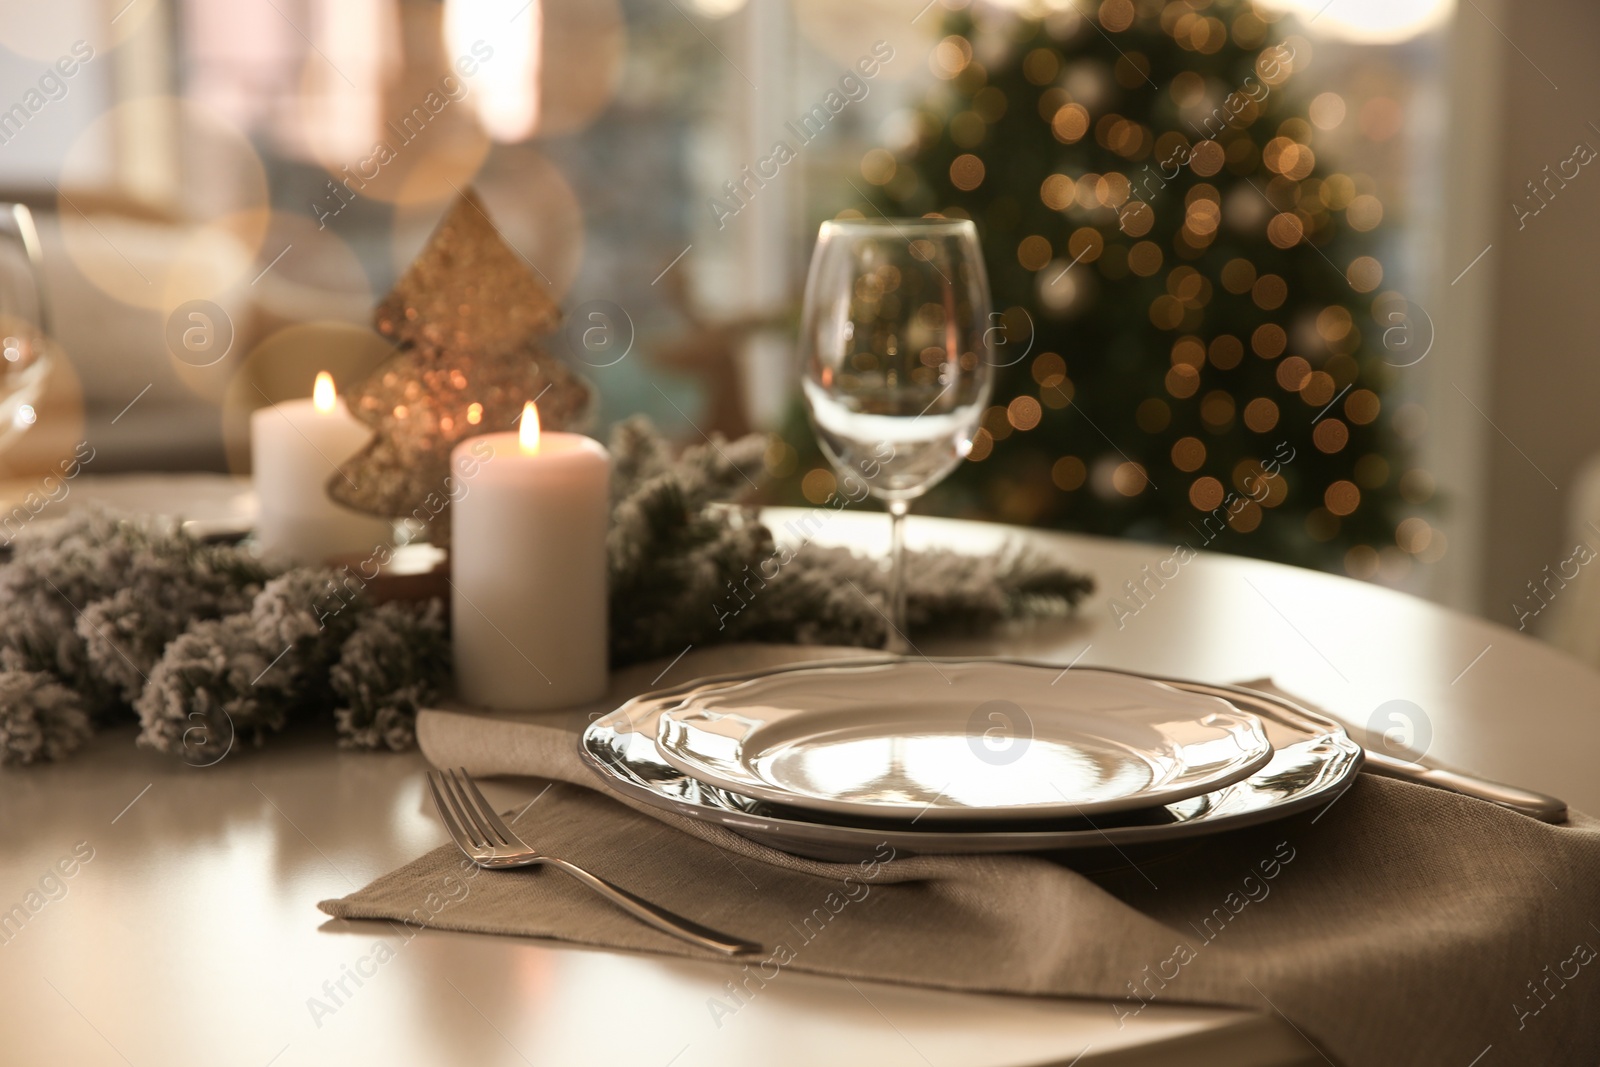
192,936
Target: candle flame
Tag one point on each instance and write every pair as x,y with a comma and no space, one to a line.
322,395
528,434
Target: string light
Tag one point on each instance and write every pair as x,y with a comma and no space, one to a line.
1110,225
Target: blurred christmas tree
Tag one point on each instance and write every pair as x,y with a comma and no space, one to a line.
1188,293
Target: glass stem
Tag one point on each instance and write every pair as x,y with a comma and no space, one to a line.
897,642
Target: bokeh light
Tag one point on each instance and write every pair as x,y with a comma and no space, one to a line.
213,230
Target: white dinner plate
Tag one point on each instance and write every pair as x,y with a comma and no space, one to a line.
1313,762
961,742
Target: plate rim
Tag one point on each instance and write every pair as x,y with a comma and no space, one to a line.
1148,797
841,843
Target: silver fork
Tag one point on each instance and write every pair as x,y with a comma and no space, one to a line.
478,831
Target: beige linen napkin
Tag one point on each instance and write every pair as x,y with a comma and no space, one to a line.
1403,925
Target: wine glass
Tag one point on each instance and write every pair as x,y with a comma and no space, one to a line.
25,355
896,368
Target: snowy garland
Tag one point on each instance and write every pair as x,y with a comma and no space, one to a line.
105,617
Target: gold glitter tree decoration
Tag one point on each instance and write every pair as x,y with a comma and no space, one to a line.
466,318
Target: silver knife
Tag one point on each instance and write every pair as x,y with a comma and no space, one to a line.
1526,801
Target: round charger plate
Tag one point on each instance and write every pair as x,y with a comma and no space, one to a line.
1313,762
960,742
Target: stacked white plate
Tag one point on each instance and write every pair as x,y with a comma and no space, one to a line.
832,760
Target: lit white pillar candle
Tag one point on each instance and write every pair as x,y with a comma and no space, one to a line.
528,569
295,447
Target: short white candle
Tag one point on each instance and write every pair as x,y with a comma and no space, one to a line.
295,447
528,569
